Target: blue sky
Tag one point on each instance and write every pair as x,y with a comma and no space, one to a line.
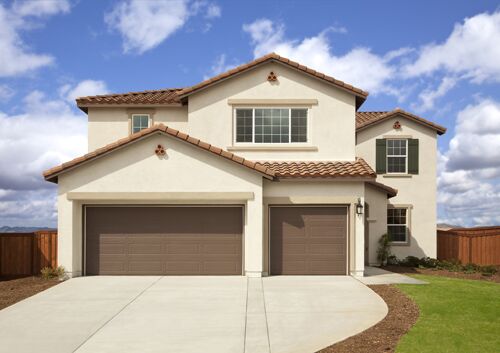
436,59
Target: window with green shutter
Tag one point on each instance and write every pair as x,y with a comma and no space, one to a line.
412,156
381,156
397,156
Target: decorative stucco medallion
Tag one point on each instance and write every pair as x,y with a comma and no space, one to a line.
160,151
272,77
396,125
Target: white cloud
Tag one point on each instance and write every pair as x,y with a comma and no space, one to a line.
470,50
429,96
476,144
6,93
469,171
82,89
213,11
359,66
145,24
15,56
219,66
47,133
40,8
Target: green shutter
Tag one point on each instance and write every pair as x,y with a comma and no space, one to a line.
381,154
412,156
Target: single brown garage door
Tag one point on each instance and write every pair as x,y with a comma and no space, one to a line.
163,240
308,240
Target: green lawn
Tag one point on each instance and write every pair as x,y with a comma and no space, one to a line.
455,316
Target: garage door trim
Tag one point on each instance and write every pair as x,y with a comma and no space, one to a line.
346,206
84,223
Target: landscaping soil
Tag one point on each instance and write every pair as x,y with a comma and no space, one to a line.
443,273
14,289
384,336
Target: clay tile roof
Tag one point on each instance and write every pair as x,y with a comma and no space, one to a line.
391,192
360,94
168,96
366,119
51,174
334,169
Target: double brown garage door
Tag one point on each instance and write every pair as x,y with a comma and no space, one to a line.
163,240
308,240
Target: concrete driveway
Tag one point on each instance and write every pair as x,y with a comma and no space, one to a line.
190,314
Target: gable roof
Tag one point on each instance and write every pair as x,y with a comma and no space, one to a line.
51,174
173,96
366,119
167,96
273,57
391,192
328,169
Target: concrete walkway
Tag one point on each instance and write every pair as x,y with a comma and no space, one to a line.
375,275
190,314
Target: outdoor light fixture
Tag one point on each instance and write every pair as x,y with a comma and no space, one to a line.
359,207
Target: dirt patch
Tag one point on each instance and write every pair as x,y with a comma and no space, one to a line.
384,336
443,273
14,289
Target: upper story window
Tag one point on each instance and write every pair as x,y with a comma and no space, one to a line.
271,125
397,156
140,122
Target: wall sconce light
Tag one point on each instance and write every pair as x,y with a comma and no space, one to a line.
359,207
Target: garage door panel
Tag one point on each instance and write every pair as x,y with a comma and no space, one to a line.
308,240
164,240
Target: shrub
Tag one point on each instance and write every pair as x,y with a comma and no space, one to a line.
410,261
488,270
384,249
49,272
428,262
471,268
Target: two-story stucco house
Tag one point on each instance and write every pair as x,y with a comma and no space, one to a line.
266,169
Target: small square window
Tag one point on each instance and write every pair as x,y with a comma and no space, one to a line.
139,122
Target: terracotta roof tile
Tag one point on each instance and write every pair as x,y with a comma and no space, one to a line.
391,192
51,174
277,58
167,96
172,96
335,169
365,119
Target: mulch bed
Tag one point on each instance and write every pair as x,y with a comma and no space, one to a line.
14,289
443,273
384,336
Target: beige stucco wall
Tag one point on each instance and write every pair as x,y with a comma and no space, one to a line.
416,191
318,192
136,175
332,123
375,220
106,125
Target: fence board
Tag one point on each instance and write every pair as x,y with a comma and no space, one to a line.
480,246
27,253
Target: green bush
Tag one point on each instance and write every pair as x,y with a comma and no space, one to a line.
488,270
49,272
449,265
384,249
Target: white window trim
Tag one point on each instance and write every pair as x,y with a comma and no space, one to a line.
139,114
407,225
387,155
280,144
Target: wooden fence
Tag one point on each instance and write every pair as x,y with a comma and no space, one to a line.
480,246
27,253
